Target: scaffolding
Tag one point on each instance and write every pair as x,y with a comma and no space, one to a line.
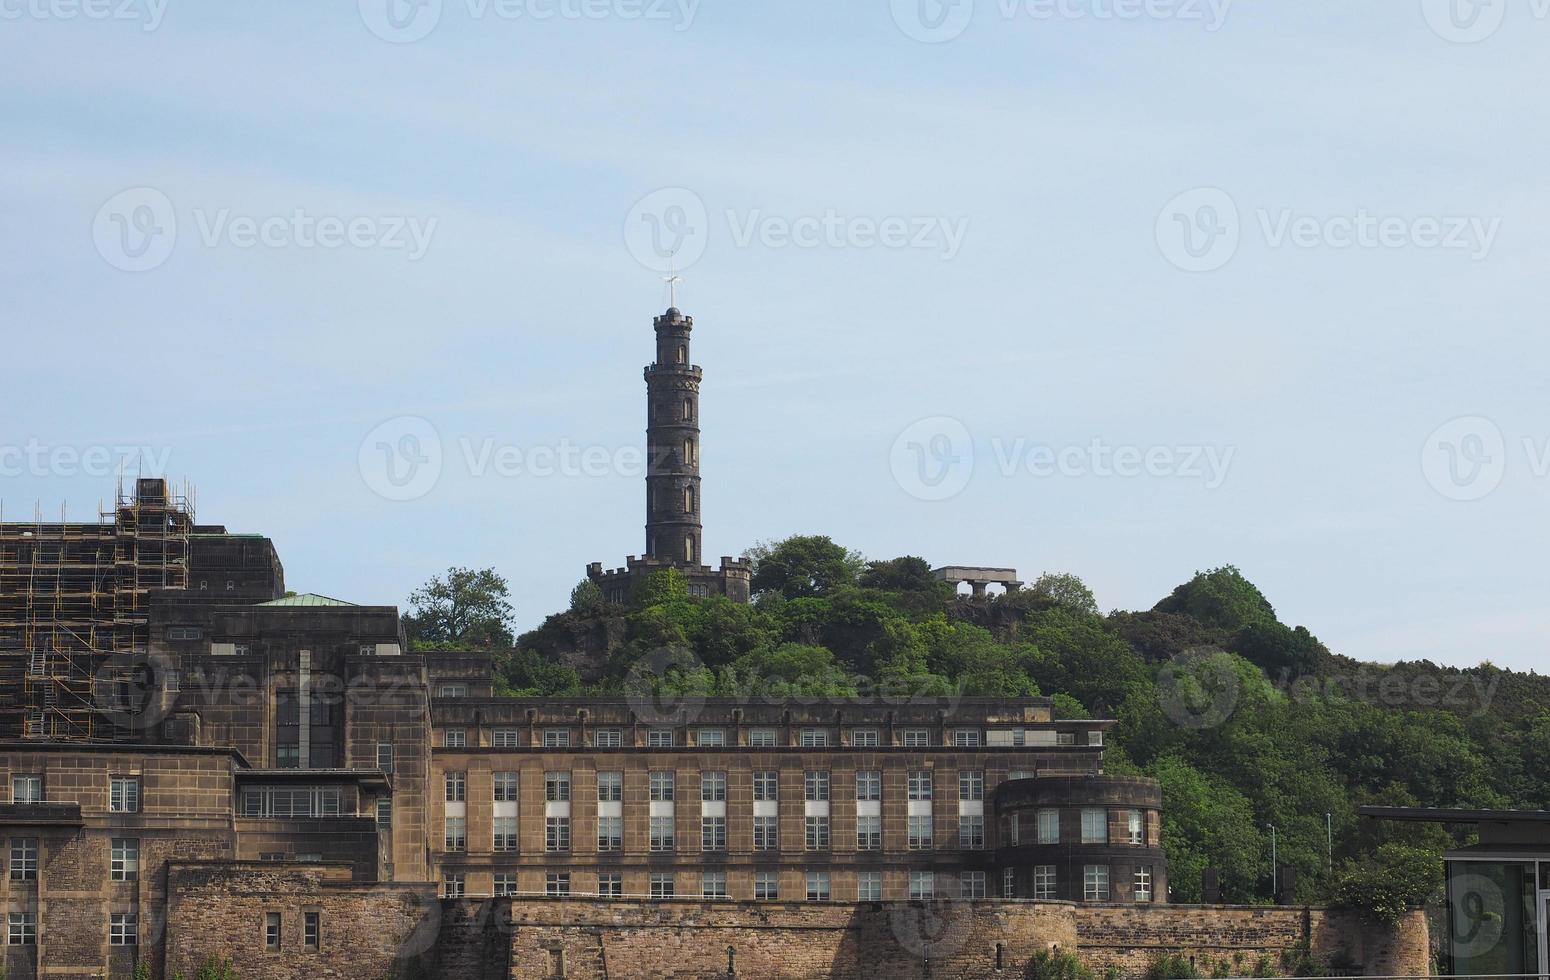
74,595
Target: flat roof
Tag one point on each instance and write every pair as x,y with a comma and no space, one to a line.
1418,814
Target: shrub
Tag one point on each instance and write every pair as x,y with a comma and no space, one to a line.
1056,965
1174,966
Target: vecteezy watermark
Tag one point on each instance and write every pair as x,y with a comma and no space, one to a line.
406,21
1465,459
669,229
1201,229
35,458
1473,21
147,13
936,21
136,230
1462,692
933,459
401,458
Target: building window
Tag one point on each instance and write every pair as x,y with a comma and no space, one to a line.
1095,826
272,931
385,756
966,738
713,787
689,458
504,738
766,833
1095,883
762,738
971,833
557,884
661,829
311,930
920,784
610,833
610,884
124,794
456,835
125,864
920,835
123,929
454,738
710,737
917,738
557,787
766,786
713,833
1065,738
689,548
453,691
610,787
922,885
557,738
817,837
815,738
683,354
299,801
385,813
662,885
21,929
26,789
869,833
607,738
556,834
457,786
818,886
869,886
1049,827
1009,883
1144,884
504,831
1044,882
815,785
504,787
1094,738
659,738
971,785
688,410
713,884
1136,827
662,786
864,738
766,886
869,784
505,884
971,884
688,500
452,886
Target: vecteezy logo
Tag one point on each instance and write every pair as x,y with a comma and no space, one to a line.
1464,21
1465,459
1199,689
933,459
932,21
935,927
400,21
1198,231
651,698
136,229
401,458
667,230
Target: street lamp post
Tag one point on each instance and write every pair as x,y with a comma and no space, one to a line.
1275,870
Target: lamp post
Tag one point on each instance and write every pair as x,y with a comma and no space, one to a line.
1329,836
1275,871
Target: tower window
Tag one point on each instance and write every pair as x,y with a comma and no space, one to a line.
689,548
683,354
688,500
688,410
689,451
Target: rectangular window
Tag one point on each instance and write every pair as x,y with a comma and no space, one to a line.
610,884
966,738
272,930
453,691
504,738
557,787
607,738
557,884
713,833
710,738
869,785
301,801
762,738
610,787
610,833
504,832
385,813
556,738
454,738
21,929
311,930
26,789
815,785
385,756
864,738
1094,738
869,886
1095,826
556,834
1049,826
920,836
1136,827
971,884
766,786
125,864
124,794
766,886
456,835
1144,884
817,833
920,784
452,886
1009,883
1044,882
713,787
922,885
456,786
503,785
123,929
1065,738
869,833
971,833
663,786
818,886
815,738
971,785
766,833
662,885
660,738
713,884
1095,883
505,884
662,834
917,738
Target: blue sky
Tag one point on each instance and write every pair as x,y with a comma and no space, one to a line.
958,271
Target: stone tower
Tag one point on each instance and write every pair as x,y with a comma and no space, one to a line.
673,529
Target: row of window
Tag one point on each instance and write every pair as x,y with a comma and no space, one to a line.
1096,824
123,791
767,738
816,786
124,859
1095,883
713,885
662,833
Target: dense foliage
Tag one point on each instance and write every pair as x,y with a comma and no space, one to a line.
1246,721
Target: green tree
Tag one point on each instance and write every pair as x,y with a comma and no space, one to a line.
1067,591
803,566
587,597
1391,882
1056,965
465,607
1221,597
